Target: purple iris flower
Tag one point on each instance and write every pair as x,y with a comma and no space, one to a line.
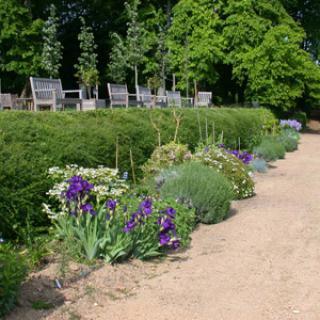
171,212
167,225
175,244
111,204
146,206
88,208
130,225
164,239
245,156
77,186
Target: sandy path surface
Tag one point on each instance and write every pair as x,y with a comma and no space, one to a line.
263,263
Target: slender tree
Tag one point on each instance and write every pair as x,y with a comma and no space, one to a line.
118,60
87,71
129,53
156,65
136,46
52,48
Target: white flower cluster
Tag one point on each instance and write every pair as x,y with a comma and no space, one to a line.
106,181
229,166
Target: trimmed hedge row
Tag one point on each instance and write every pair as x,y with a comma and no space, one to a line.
30,143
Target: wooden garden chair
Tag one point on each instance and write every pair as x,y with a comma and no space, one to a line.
119,95
48,92
203,99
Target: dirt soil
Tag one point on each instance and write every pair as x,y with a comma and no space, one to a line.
260,264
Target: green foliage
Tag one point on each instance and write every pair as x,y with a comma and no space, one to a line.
270,149
87,72
195,41
20,41
275,78
52,48
156,64
42,305
289,138
229,166
129,53
166,156
116,69
12,273
31,143
200,187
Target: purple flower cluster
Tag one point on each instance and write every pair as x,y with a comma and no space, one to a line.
293,124
244,156
168,234
138,217
76,194
77,187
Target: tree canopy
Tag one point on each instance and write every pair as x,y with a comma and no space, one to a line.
241,50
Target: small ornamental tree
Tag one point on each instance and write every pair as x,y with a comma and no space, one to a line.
135,38
128,53
156,61
87,71
52,49
118,60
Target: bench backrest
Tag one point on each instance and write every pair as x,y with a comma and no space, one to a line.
118,94
144,95
42,88
204,98
173,98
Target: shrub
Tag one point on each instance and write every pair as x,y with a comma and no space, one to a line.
12,273
31,143
202,188
259,165
289,139
270,149
166,156
231,167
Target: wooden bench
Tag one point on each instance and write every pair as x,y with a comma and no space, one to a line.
145,97
174,99
119,95
48,92
204,99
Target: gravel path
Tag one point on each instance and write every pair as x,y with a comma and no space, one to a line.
260,264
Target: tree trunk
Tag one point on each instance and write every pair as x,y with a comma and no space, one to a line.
136,75
195,92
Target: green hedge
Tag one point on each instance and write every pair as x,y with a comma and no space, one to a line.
30,143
